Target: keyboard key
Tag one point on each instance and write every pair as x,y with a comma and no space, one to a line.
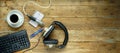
14,42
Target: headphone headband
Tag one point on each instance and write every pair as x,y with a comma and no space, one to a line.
65,31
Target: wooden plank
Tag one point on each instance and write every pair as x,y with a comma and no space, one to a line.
85,2
70,2
69,11
85,47
108,11
86,35
118,48
96,34
76,10
117,35
78,23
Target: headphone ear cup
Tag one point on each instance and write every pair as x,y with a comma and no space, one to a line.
48,31
50,41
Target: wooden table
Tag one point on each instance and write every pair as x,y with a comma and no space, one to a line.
93,25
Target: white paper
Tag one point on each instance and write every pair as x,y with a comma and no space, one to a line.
33,23
39,16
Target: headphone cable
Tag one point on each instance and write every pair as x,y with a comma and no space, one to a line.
36,5
35,45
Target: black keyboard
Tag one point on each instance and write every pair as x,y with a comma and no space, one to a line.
14,42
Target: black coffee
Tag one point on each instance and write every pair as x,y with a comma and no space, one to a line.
14,18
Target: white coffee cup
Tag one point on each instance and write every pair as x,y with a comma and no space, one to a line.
15,19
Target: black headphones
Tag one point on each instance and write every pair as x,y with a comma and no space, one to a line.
51,42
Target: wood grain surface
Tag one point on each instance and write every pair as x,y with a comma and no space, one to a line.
93,25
